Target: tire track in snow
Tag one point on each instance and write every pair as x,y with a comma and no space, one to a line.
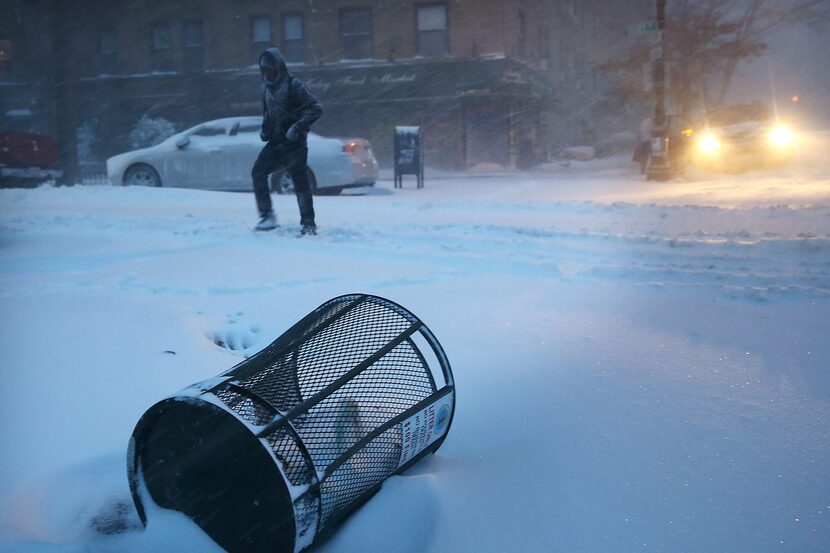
739,262
735,263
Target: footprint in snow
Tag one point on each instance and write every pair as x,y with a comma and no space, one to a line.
236,335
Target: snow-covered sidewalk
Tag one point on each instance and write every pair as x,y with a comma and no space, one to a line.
640,366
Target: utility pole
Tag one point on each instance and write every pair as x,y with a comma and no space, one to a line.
659,168
62,92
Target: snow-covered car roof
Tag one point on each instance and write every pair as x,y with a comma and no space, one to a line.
228,122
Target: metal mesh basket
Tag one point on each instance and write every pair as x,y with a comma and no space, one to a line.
271,454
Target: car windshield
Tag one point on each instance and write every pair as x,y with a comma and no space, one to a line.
740,113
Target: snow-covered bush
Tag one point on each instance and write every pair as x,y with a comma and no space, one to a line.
149,131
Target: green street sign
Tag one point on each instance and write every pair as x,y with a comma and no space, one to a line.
645,27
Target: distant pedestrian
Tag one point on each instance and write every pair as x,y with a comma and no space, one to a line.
289,111
642,154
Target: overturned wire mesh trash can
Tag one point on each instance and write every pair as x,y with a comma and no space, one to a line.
270,455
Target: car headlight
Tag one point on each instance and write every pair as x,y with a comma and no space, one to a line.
781,136
708,144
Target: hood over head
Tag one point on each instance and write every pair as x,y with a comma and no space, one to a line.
271,59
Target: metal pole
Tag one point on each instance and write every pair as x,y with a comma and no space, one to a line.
659,168
62,94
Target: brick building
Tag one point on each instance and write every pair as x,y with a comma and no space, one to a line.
477,75
26,92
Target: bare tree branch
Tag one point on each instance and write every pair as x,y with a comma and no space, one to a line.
708,40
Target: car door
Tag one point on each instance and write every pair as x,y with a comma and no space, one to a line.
200,161
243,147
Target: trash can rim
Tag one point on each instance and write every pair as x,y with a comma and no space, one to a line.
150,419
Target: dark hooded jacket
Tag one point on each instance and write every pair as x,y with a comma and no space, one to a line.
285,102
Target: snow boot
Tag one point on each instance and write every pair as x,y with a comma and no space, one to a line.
268,222
308,230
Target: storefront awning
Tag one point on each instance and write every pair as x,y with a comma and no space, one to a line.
193,97
408,81
432,80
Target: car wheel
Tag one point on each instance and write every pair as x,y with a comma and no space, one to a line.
281,183
141,174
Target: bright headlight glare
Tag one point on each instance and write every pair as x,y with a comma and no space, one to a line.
781,136
708,144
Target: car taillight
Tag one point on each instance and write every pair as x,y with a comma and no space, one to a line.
351,148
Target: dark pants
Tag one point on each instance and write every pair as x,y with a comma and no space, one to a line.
642,154
293,158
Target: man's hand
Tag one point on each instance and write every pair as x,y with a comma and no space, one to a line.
263,136
294,132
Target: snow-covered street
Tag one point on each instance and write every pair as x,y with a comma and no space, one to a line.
640,366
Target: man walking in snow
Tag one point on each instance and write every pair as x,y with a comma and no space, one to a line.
289,111
642,154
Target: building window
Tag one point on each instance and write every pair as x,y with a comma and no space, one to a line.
193,55
107,52
160,48
356,34
261,33
292,38
5,57
433,35
522,37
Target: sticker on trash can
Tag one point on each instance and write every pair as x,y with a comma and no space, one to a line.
424,427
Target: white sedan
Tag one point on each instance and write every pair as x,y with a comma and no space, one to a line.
219,155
